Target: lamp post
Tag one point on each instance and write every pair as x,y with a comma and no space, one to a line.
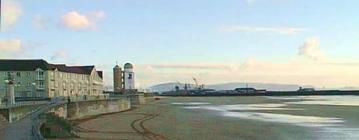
10,92
33,89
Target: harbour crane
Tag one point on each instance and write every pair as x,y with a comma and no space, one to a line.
195,81
198,86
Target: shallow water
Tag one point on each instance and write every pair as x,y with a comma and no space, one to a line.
325,127
322,100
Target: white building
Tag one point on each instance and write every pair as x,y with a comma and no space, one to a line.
128,76
37,78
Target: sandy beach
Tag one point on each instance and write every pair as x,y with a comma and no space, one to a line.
239,118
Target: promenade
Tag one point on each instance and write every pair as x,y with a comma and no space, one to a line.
23,129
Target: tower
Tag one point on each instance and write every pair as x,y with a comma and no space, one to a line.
117,79
129,76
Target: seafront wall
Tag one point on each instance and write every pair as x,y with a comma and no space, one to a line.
137,99
82,109
75,109
16,113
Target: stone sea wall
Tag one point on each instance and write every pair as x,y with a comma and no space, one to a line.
16,113
82,109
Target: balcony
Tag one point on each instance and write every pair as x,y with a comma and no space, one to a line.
40,88
40,78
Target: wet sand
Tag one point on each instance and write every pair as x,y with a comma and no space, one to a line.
239,118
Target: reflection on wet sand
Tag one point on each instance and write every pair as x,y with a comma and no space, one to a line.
333,128
322,100
236,111
190,103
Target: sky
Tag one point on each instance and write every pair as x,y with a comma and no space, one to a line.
301,42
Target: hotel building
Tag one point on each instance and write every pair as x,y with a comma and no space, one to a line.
38,78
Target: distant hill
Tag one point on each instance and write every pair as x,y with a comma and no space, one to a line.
168,87
230,86
267,86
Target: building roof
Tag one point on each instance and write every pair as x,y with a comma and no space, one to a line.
128,66
117,67
22,65
33,64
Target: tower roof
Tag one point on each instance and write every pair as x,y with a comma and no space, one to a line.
128,66
117,67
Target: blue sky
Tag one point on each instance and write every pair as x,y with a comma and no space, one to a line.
175,40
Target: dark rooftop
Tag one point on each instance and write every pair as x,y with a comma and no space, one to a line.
33,64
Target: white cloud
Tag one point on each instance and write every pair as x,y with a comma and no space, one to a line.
17,48
10,45
310,49
11,11
281,30
76,21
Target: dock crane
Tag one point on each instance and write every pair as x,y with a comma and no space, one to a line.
197,85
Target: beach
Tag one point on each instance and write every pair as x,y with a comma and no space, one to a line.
239,118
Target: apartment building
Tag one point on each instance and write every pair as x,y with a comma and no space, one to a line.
38,78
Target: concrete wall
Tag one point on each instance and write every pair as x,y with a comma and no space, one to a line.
82,109
137,99
17,113
77,110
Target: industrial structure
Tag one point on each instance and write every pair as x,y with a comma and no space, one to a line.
38,78
123,81
117,79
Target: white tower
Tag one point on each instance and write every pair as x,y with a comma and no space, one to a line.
128,76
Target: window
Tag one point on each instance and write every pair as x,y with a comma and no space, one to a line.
41,84
28,74
18,74
40,74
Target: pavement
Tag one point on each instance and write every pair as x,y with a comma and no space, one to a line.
22,129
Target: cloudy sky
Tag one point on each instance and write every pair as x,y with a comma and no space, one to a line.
269,41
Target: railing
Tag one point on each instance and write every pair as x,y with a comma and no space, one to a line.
40,78
36,132
25,103
86,98
38,121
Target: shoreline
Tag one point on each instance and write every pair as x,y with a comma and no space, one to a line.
176,118
273,93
